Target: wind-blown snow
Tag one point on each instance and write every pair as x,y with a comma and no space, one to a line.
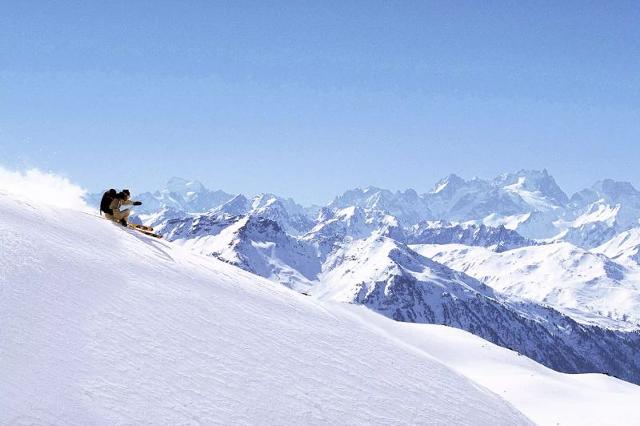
102,325
46,188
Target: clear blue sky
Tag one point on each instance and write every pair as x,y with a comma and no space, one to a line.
307,99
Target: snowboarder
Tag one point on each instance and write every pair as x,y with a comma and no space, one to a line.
113,212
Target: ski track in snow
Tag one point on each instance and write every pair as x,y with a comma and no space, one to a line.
103,325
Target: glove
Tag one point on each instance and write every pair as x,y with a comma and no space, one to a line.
137,203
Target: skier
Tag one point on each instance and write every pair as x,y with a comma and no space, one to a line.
114,213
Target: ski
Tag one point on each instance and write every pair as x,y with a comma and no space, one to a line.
141,227
144,231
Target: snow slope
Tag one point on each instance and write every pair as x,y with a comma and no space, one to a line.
102,325
624,248
545,396
589,287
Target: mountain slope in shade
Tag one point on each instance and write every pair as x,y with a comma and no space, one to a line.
496,238
103,325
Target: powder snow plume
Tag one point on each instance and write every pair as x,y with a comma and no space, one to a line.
37,186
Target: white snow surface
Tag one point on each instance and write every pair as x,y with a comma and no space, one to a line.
103,325
586,286
544,395
623,248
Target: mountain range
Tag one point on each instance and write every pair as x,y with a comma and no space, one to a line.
513,260
105,325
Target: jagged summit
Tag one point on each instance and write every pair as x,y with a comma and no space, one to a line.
615,191
448,184
236,206
182,186
536,182
180,194
407,206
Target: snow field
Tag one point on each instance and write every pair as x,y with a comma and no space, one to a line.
103,325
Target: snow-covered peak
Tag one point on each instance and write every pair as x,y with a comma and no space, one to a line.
183,186
526,191
360,197
615,191
290,215
533,183
350,214
356,196
354,270
237,206
606,191
599,213
181,194
448,184
407,206
263,200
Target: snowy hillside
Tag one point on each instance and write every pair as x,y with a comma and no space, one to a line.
545,396
103,326
624,248
591,288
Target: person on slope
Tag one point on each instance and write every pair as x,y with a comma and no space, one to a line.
121,199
